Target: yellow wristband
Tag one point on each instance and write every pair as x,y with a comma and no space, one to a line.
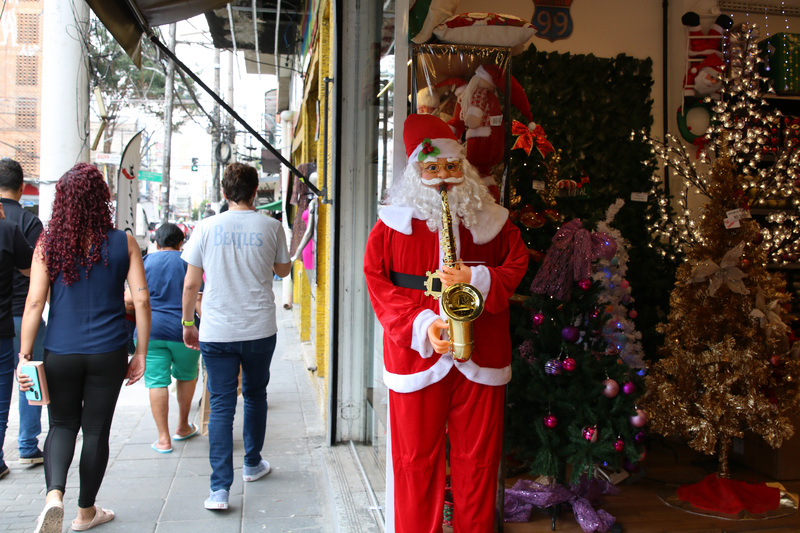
187,323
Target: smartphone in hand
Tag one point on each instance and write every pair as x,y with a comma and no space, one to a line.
38,393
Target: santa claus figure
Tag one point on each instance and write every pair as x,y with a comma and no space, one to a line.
429,391
479,117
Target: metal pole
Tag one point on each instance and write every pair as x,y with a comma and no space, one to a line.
168,92
215,136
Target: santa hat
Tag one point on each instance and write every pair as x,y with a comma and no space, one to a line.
518,97
712,61
429,137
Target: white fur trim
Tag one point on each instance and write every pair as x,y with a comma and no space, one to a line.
448,148
420,380
484,376
482,131
419,333
481,279
491,220
397,217
475,111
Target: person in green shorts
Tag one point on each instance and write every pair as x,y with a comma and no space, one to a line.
167,355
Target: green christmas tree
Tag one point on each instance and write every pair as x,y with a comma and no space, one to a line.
575,399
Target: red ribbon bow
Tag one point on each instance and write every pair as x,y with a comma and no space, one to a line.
700,143
527,137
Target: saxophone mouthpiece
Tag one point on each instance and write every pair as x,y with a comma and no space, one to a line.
442,187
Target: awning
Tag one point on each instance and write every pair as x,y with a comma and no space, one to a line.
128,20
274,206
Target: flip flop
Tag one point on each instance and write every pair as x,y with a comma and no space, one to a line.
195,431
159,450
51,518
101,516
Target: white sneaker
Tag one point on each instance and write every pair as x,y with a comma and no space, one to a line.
217,500
252,473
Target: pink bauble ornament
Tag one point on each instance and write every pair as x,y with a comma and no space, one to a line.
569,364
571,334
639,419
619,445
629,388
639,437
553,367
550,421
585,284
538,319
611,388
632,313
590,433
624,284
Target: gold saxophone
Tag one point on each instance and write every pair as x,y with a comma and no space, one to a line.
461,302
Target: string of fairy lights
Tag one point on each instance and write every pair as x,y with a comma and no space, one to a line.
756,136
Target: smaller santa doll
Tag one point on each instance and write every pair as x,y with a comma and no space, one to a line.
705,78
478,117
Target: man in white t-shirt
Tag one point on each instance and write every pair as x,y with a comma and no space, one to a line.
237,251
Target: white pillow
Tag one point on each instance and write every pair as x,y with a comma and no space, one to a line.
485,29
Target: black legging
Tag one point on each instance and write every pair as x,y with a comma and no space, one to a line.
83,394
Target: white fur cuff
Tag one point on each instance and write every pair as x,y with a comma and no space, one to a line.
419,335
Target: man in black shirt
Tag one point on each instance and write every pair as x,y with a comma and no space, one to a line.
15,254
30,416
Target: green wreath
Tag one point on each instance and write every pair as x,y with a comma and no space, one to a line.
681,118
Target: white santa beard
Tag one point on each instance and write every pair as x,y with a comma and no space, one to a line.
465,199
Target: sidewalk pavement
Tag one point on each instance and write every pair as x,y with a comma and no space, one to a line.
164,493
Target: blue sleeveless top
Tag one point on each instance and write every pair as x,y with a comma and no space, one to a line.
165,271
88,317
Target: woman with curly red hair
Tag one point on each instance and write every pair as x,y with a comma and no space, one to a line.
83,262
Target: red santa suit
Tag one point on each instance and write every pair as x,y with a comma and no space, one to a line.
430,392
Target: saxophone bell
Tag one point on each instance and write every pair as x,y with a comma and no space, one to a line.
462,303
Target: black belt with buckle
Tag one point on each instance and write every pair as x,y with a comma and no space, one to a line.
410,281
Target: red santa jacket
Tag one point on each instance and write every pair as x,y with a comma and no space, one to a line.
402,243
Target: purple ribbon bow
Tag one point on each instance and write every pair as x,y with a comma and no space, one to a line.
525,494
569,259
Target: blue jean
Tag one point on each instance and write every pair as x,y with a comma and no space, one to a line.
30,416
222,360
7,366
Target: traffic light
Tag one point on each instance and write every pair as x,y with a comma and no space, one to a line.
194,164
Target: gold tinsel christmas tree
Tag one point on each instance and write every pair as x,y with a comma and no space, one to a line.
726,366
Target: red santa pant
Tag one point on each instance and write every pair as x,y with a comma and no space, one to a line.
473,416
